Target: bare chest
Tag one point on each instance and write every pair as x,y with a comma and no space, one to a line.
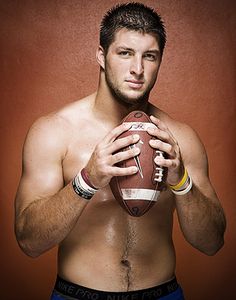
81,144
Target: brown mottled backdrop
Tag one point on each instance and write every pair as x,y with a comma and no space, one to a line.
47,59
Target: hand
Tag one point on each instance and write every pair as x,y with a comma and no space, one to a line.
166,142
101,166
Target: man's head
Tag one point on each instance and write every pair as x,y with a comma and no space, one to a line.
132,40
132,16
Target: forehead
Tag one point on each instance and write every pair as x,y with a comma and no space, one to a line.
135,40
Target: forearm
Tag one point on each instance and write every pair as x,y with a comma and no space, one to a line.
202,220
46,222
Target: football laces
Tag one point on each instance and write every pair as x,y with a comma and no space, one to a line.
159,170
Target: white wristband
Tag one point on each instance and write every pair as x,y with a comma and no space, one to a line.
84,185
186,190
82,188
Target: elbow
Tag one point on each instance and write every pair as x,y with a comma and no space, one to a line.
26,244
28,249
215,243
212,249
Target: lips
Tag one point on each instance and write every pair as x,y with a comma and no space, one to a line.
135,84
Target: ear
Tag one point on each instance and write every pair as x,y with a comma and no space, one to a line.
100,56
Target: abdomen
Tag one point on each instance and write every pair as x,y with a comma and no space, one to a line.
110,250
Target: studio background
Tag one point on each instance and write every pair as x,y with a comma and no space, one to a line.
47,59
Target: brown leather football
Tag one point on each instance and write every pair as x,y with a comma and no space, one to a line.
139,192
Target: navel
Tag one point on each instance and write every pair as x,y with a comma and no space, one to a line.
125,263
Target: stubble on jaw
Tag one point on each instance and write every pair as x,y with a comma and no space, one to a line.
122,98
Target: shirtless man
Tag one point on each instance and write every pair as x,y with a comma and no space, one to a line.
104,253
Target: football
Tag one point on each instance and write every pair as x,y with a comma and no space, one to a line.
139,192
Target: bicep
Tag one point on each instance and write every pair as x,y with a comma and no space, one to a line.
42,174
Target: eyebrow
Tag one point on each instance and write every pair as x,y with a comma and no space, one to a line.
154,51
125,48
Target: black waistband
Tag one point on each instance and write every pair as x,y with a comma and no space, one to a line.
74,291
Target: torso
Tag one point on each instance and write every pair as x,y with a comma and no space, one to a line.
108,249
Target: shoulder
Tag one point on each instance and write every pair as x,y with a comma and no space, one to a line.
55,129
46,135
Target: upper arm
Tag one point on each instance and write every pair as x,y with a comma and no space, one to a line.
42,174
195,159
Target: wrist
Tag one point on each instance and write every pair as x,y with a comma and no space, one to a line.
82,186
184,186
181,182
85,176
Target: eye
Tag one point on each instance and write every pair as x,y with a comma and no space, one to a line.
150,56
124,53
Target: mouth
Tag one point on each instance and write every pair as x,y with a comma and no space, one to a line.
135,84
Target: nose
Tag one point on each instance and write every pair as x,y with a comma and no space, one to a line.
136,67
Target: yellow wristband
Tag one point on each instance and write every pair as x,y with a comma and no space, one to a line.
182,181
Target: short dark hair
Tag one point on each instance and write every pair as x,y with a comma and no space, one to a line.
133,16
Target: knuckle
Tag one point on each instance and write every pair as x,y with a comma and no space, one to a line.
100,167
135,137
154,131
158,143
174,164
166,136
115,132
104,170
154,143
98,148
119,144
121,128
157,131
130,153
117,157
117,172
164,127
171,150
125,126
129,139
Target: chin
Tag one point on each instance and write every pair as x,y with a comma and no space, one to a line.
135,98
129,97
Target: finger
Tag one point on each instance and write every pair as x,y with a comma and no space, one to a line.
111,136
116,171
124,155
165,147
164,136
159,129
162,162
161,125
123,143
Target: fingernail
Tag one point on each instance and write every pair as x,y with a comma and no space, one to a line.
135,136
151,142
158,161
